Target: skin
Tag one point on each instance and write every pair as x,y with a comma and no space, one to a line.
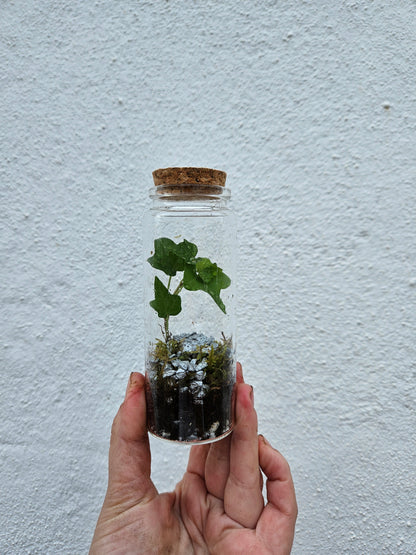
218,505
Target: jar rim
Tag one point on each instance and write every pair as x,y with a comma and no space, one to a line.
189,192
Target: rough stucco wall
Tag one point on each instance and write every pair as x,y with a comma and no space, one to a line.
310,108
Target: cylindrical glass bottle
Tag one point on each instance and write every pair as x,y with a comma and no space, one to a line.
189,306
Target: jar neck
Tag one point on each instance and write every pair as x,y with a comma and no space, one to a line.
170,196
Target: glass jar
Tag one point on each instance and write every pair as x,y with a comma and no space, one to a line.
189,244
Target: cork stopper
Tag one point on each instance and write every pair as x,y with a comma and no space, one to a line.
189,181
191,178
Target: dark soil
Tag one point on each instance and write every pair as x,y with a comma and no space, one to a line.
190,383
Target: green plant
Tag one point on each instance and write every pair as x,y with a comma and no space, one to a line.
199,274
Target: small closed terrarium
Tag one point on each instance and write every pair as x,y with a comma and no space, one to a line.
189,306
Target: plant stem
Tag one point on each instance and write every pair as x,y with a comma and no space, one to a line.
179,288
166,320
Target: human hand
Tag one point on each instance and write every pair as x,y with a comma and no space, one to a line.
218,505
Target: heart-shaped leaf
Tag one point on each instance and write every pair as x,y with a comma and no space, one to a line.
166,304
170,257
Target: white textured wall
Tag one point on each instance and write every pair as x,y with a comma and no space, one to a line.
310,108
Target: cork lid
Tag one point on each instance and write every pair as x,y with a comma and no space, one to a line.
189,176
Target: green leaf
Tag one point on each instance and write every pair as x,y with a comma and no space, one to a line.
206,276
164,302
186,250
206,270
191,280
218,282
165,258
170,257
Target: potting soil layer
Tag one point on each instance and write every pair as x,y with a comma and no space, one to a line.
190,382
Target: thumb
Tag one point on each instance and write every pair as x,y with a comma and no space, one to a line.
129,457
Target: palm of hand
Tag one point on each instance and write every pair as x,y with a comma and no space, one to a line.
218,505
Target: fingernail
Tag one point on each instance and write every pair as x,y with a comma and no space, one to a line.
252,395
265,440
133,381
239,373
129,383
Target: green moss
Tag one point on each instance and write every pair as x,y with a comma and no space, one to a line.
217,355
